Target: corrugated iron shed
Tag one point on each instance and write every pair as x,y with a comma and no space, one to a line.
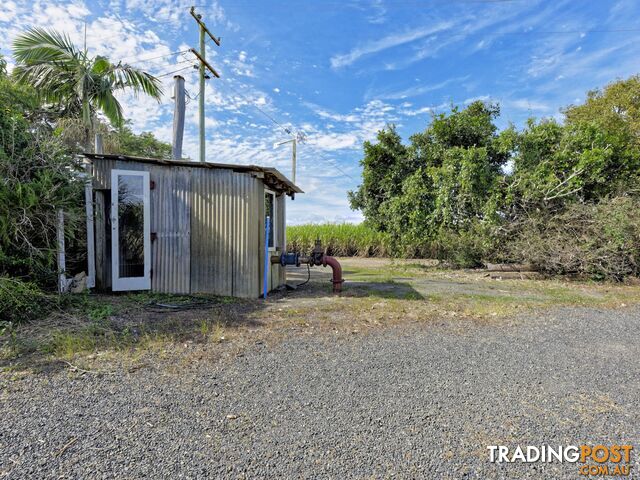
207,221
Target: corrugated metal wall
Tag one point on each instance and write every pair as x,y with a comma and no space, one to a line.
224,229
209,225
171,222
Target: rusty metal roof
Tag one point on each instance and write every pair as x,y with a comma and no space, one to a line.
272,177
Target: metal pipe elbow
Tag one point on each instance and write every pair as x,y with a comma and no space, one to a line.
337,272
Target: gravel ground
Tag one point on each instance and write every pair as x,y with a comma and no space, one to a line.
418,401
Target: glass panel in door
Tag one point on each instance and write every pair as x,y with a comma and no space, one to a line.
131,236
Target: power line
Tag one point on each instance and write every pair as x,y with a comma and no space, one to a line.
328,160
153,58
205,63
288,131
273,120
335,165
188,60
176,71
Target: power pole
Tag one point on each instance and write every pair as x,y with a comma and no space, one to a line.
294,154
294,159
178,117
203,62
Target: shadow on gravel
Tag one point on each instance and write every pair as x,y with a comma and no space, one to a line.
320,285
386,290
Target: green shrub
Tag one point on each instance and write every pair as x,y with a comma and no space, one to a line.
465,248
22,301
37,177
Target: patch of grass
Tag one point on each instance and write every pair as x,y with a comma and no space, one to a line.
412,296
516,296
213,331
14,345
95,337
204,328
218,333
115,323
67,344
101,312
386,271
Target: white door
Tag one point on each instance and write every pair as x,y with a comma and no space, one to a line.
130,231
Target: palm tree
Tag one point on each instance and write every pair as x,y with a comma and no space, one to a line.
78,85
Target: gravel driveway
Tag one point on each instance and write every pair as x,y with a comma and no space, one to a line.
407,402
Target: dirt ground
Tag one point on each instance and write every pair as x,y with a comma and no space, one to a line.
107,332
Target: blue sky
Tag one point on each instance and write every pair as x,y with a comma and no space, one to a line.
340,70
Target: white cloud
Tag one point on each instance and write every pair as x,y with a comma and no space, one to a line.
335,141
415,90
528,104
241,65
481,98
495,22
419,111
324,113
8,11
377,12
175,13
387,42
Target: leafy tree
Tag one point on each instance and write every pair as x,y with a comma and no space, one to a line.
616,107
442,182
142,145
607,126
385,165
77,84
593,155
36,178
470,127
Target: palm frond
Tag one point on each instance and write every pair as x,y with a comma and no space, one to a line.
78,85
39,45
110,106
48,61
126,76
44,77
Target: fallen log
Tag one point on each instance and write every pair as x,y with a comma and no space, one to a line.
510,267
515,275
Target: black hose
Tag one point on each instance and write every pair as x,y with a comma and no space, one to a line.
308,277
193,304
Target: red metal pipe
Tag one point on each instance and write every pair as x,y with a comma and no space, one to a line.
337,272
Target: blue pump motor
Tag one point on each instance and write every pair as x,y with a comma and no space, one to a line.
290,258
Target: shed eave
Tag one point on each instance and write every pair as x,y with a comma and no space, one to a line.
279,181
